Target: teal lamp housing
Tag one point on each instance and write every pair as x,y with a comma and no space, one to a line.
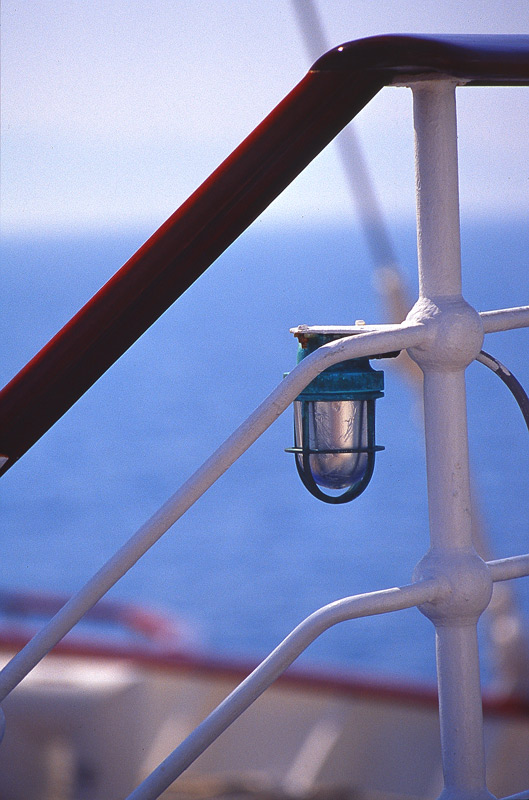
334,426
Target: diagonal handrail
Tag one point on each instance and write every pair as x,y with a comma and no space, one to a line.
391,337
394,337
348,608
338,86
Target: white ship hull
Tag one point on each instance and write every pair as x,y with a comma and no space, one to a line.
92,727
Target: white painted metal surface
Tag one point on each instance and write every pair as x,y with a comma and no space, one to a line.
463,583
456,336
505,319
452,585
273,666
399,337
504,569
140,712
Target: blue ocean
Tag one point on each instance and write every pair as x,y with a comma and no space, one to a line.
257,553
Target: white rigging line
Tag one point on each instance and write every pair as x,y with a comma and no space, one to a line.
388,276
350,151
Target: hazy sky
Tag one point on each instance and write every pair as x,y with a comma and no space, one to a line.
115,110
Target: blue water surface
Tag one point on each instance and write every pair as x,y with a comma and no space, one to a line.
257,553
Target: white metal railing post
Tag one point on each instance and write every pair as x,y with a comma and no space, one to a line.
452,584
456,334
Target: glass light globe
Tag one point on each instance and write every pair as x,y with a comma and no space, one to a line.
334,426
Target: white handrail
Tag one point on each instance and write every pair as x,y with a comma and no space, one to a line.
397,337
362,605
387,340
505,319
452,585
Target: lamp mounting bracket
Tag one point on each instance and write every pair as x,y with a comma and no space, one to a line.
304,333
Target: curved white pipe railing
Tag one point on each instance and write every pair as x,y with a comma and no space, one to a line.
452,584
504,569
389,339
392,338
362,605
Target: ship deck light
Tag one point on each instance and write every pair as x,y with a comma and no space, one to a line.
334,421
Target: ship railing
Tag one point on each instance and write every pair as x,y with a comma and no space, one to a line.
451,585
